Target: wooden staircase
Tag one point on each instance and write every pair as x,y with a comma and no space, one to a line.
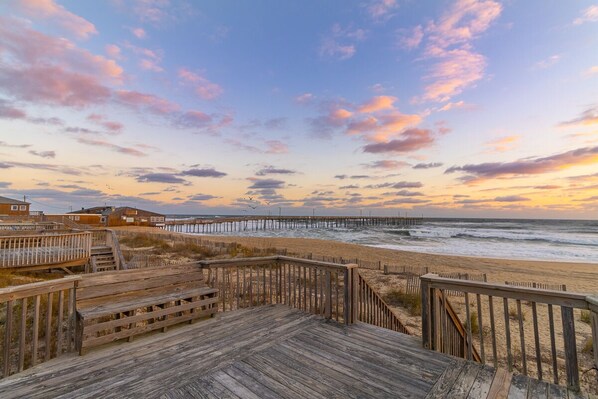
102,259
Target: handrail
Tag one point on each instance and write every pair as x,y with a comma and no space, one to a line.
521,339
43,249
374,310
39,323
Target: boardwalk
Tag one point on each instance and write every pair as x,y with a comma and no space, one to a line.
269,352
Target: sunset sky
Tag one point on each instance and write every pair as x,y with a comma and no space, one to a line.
443,108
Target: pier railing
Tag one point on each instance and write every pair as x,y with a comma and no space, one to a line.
497,320
37,323
47,249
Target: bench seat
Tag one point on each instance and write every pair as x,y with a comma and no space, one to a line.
116,305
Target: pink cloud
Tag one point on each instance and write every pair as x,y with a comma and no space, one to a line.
101,120
194,119
503,144
304,98
112,147
387,164
340,43
139,33
276,147
410,140
141,101
53,85
202,86
149,65
22,45
378,103
590,14
412,39
381,9
48,9
449,43
113,51
383,127
454,105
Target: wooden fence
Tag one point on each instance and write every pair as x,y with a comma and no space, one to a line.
406,270
37,323
47,249
517,346
413,286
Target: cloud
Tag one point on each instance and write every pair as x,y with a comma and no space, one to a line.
454,105
48,9
428,165
149,65
587,118
101,120
340,43
67,170
276,147
266,183
5,144
139,33
194,119
378,103
271,170
43,154
382,127
409,141
503,144
548,62
590,14
112,147
592,70
205,172
202,197
349,187
456,66
412,39
381,10
407,184
528,166
305,98
202,86
386,164
145,102
4,184
169,178
113,51
511,198
404,193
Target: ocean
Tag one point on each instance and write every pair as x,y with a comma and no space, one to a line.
553,240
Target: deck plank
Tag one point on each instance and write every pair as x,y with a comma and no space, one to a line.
265,352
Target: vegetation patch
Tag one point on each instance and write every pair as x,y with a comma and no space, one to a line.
411,302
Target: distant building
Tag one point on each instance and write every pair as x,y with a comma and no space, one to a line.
123,216
11,207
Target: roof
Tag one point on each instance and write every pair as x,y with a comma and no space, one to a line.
4,200
97,210
122,210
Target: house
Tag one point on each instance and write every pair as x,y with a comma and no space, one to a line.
123,216
127,216
11,207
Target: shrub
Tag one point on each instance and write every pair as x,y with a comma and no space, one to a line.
514,315
192,250
585,316
588,347
473,320
412,302
144,240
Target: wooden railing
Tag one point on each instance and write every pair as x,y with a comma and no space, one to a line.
47,249
37,323
30,226
511,339
108,238
315,287
372,309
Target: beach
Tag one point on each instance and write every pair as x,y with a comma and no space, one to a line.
578,277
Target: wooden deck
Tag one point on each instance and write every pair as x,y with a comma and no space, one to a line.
269,352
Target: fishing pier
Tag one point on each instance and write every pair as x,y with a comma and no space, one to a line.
255,223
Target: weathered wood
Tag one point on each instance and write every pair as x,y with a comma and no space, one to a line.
571,364
500,385
519,387
28,290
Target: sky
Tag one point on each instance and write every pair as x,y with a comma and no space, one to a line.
456,108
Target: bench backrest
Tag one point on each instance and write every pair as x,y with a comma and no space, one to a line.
140,281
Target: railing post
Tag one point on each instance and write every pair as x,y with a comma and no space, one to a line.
593,306
350,295
427,299
570,348
328,291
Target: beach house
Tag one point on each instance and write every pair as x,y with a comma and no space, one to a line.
12,207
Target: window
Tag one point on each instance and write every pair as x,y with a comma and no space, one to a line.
154,219
14,207
23,207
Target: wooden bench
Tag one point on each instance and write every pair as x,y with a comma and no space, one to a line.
122,304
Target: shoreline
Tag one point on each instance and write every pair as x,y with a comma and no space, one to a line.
579,277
